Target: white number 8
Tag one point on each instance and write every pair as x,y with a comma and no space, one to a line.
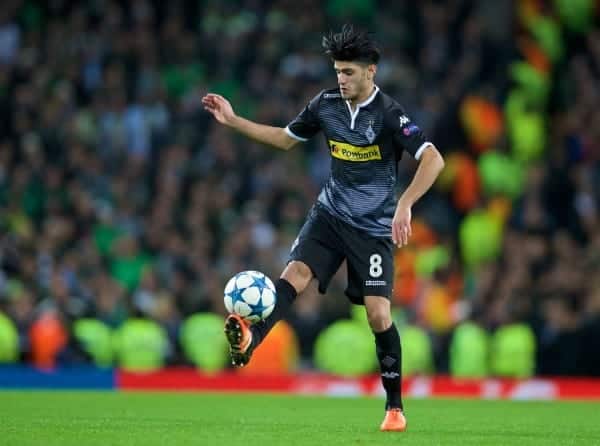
375,269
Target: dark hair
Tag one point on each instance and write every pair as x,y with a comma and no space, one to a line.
351,45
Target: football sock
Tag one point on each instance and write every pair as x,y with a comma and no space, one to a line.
286,294
389,354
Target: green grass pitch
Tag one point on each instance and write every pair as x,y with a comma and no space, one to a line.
107,418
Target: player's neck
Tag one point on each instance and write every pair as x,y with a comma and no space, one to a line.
362,97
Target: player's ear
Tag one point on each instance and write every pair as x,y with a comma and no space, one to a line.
371,70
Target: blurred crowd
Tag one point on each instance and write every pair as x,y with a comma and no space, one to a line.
121,198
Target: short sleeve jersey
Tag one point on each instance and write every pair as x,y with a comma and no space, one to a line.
365,146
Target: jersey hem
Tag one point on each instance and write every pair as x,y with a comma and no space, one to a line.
370,233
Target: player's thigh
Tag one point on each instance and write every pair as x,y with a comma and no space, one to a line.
370,267
318,247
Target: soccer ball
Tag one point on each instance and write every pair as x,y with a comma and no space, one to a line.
251,295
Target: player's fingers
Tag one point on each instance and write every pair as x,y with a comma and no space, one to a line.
408,229
214,99
217,98
395,234
208,102
405,235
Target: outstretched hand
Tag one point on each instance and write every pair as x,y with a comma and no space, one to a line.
219,107
401,230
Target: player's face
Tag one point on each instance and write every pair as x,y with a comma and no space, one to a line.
354,79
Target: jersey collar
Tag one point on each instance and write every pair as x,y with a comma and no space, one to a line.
368,100
354,114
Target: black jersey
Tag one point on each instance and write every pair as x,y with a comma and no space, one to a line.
365,145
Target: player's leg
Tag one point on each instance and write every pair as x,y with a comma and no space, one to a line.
370,279
389,355
244,338
313,255
294,279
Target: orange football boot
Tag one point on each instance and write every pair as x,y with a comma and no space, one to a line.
394,421
239,336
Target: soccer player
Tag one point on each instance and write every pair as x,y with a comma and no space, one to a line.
356,217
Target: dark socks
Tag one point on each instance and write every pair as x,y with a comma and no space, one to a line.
286,294
389,354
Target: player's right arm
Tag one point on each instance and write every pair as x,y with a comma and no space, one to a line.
223,112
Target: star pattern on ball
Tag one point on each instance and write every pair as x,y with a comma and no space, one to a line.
254,300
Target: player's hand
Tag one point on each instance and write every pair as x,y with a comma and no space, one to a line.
401,230
219,107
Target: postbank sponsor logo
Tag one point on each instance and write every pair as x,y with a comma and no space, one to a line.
348,152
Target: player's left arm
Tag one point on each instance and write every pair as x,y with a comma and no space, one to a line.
431,164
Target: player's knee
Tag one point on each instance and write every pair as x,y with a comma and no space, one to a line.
379,316
298,274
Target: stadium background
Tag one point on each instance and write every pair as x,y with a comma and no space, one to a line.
123,202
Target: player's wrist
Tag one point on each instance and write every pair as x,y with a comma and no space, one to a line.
233,121
405,203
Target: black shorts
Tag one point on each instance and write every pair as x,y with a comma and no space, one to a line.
325,242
